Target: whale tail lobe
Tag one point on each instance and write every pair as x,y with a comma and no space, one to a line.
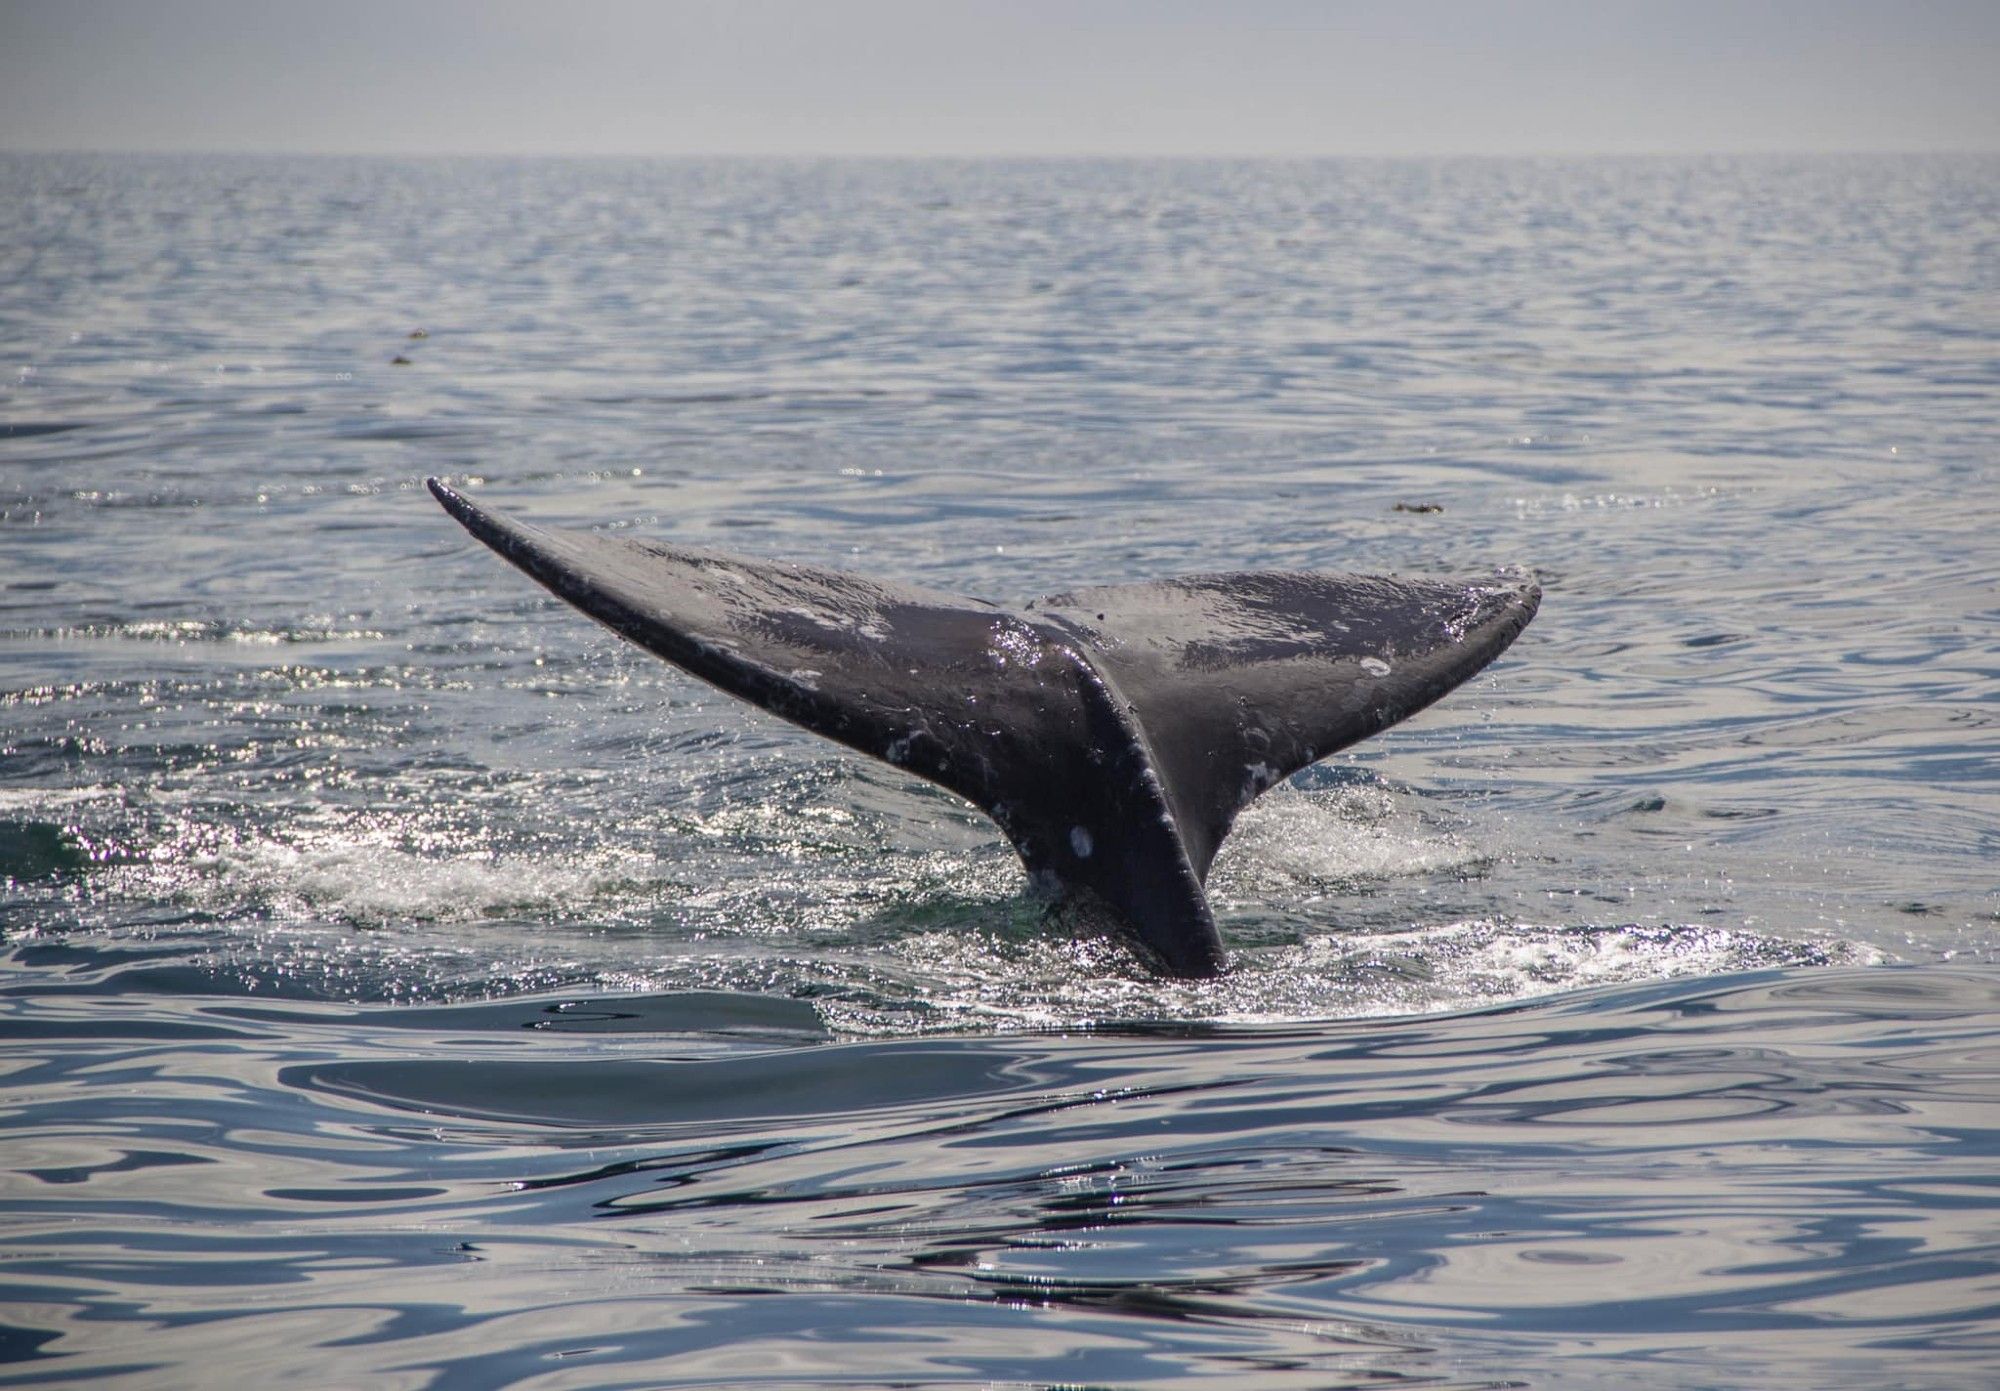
1113,733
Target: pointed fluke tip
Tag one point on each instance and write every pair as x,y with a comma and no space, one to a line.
447,497
1510,606
1527,600
515,541
498,531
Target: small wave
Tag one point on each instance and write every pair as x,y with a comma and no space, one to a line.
181,631
955,982
1470,964
38,798
1339,835
366,881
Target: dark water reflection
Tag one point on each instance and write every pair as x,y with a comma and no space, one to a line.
1780,1179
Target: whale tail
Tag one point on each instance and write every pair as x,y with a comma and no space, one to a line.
1112,733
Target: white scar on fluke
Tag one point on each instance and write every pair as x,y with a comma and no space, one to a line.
1112,733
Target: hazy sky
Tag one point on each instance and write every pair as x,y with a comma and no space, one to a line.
1012,77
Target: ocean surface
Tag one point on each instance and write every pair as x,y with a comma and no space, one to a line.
403,983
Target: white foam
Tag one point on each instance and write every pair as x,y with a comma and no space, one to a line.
970,980
37,798
1466,964
1339,836
363,879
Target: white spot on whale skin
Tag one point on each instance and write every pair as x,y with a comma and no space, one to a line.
1374,666
1080,842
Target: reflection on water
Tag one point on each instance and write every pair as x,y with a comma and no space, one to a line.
1781,1179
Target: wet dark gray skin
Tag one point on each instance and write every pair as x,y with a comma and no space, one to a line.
1113,733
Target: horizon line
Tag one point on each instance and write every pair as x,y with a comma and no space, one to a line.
1010,156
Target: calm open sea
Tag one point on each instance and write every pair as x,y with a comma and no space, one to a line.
405,984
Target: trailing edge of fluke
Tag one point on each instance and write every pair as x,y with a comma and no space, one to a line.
1113,733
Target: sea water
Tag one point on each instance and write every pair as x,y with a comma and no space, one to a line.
407,984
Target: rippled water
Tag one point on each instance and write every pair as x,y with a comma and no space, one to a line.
406,984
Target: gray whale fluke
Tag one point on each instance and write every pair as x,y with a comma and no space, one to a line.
1113,733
